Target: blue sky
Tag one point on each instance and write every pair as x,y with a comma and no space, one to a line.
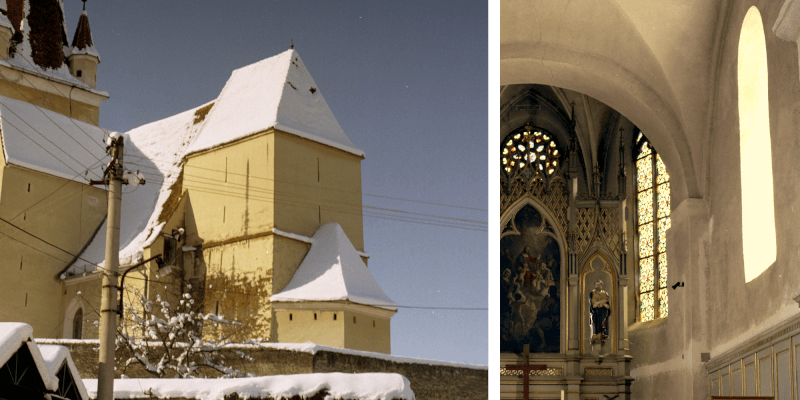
407,82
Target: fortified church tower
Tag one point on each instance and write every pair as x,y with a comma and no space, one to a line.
51,144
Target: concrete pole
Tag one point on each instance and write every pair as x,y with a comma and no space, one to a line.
108,309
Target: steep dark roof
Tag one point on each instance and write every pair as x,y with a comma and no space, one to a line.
83,34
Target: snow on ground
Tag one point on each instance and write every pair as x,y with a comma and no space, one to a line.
14,335
333,270
156,150
55,356
378,386
50,142
277,92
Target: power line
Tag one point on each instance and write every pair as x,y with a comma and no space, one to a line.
46,242
178,169
220,190
62,95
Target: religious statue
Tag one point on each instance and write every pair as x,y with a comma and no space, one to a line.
600,310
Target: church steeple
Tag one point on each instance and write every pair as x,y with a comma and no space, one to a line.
84,58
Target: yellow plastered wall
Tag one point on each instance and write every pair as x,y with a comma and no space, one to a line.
367,332
60,103
231,191
352,328
237,286
237,193
314,185
87,65
84,294
302,327
66,216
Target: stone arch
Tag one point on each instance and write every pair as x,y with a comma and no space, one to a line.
628,78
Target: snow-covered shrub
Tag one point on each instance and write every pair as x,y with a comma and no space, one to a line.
167,339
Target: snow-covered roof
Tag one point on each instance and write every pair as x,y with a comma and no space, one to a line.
55,356
50,142
156,150
256,98
22,57
274,93
14,335
333,270
377,386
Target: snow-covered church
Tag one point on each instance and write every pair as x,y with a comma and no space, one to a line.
251,202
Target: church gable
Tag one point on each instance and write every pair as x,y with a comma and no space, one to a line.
279,93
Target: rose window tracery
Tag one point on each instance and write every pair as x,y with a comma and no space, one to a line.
530,150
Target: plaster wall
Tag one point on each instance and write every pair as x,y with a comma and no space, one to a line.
88,67
315,185
88,301
66,216
769,294
367,332
238,284
18,86
717,310
302,327
231,190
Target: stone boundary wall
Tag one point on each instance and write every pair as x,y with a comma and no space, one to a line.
429,382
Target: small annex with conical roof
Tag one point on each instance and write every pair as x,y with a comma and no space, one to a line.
333,271
333,299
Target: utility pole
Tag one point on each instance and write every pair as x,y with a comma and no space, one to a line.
108,311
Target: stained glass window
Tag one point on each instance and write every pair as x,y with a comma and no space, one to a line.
653,205
530,149
646,309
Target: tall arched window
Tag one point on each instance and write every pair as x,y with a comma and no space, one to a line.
77,324
653,220
755,154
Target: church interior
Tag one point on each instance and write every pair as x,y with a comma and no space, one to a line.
648,177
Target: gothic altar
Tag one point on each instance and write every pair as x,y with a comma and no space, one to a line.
563,274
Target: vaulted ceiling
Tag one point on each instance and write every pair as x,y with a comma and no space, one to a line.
652,62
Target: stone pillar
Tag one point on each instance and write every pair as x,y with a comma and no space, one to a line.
623,347
573,342
787,25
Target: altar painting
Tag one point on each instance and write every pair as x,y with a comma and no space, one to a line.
530,296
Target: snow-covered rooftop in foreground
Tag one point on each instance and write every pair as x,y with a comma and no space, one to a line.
55,356
377,386
49,142
274,93
333,270
14,335
156,149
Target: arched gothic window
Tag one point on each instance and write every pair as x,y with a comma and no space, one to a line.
758,208
653,220
77,324
530,150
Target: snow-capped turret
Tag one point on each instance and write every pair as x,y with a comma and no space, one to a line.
6,30
83,58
